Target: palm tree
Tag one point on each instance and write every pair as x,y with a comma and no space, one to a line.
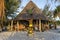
57,11
8,8
11,6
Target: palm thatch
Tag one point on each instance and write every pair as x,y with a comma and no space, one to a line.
27,16
32,6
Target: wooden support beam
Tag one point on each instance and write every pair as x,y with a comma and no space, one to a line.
11,25
8,27
17,25
37,22
48,24
40,25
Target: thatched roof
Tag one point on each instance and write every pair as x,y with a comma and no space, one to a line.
27,16
36,13
32,6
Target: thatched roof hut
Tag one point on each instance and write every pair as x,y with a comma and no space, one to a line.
31,16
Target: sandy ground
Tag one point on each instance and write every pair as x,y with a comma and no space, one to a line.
47,35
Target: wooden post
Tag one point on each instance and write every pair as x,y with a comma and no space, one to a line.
40,25
48,24
37,22
17,25
37,25
2,12
11,25
8,27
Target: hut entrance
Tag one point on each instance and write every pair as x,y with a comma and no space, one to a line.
23,25
36,25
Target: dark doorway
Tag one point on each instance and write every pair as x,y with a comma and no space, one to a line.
36,25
